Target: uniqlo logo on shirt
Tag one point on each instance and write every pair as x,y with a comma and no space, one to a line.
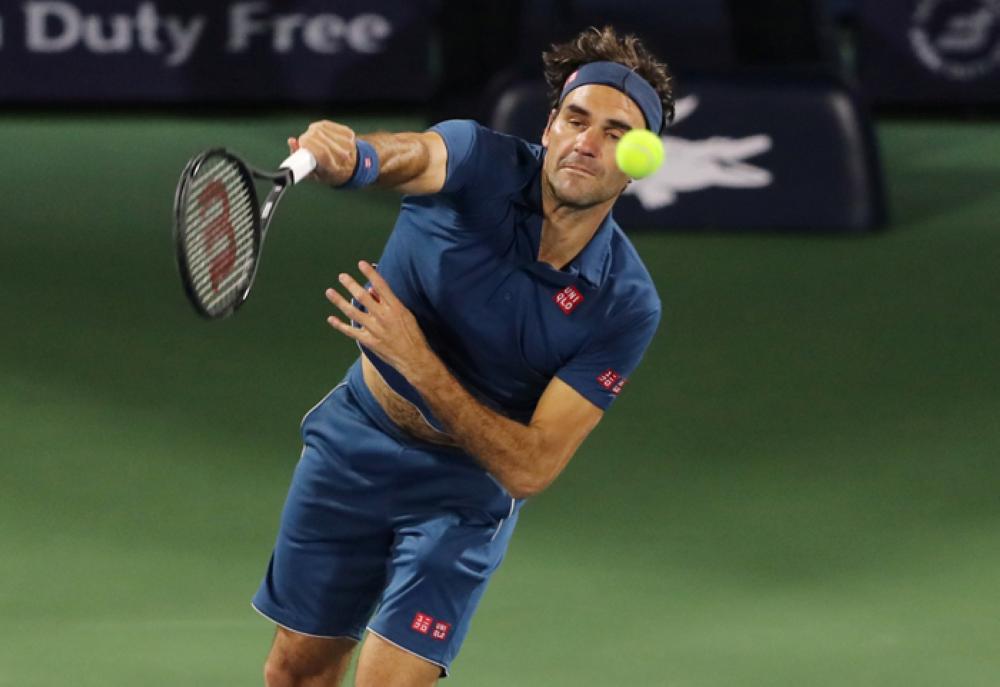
441,629
422,623
567,299
612,381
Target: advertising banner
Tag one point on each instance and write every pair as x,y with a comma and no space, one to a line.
745,153
931,51
760,154
159,51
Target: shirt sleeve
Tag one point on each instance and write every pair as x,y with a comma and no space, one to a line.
483,163
602,368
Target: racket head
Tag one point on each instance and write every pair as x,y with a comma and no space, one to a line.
217,232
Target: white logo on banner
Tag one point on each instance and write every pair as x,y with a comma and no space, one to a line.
321,33
56,26
957,39
698,165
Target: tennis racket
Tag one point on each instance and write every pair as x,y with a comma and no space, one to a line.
219,225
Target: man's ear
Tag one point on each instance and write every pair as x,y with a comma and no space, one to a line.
548,125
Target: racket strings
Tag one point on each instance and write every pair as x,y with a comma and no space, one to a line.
218,234
226,177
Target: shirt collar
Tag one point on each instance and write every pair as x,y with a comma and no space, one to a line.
592,264
594,261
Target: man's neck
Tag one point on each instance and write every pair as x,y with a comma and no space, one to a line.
567,229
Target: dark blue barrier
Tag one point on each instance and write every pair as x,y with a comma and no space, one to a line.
695,36
746,153
930,51
296,51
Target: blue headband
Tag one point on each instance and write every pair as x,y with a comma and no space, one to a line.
625,80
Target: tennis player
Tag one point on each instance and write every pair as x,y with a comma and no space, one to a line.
505,315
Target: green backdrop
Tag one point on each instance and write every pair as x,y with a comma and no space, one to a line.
799,486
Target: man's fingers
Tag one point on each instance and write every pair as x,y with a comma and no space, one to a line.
360,293
346,307
379,284
333,146
345,328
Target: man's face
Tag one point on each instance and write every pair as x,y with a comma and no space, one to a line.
581,138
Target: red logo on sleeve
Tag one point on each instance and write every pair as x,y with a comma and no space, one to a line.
422,623
567,299
612,381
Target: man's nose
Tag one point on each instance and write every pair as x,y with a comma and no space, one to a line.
588,142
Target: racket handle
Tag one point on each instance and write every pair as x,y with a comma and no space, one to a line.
301,163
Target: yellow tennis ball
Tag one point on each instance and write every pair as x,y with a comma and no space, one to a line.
639,153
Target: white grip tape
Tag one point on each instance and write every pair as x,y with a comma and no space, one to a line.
301,163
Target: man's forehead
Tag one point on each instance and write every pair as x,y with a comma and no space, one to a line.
606,102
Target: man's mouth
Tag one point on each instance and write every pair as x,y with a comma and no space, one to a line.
578,168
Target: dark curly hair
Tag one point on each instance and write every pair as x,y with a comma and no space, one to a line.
594,45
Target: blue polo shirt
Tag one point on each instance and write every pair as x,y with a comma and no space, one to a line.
464,261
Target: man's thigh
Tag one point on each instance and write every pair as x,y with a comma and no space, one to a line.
328,567
441,566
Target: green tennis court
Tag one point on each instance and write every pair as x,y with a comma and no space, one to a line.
799,487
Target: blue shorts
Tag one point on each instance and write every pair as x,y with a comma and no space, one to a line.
379,523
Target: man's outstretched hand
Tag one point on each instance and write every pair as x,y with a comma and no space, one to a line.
388,329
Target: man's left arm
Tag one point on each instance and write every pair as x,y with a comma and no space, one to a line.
525,459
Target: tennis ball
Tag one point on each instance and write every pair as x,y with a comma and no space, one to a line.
639,153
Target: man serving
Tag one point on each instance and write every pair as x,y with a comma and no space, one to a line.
505,315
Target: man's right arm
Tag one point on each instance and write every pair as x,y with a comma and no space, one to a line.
414,163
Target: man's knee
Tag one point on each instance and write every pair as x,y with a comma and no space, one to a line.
383,663
295,659
281,670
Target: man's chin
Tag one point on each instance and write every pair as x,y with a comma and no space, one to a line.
576,196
